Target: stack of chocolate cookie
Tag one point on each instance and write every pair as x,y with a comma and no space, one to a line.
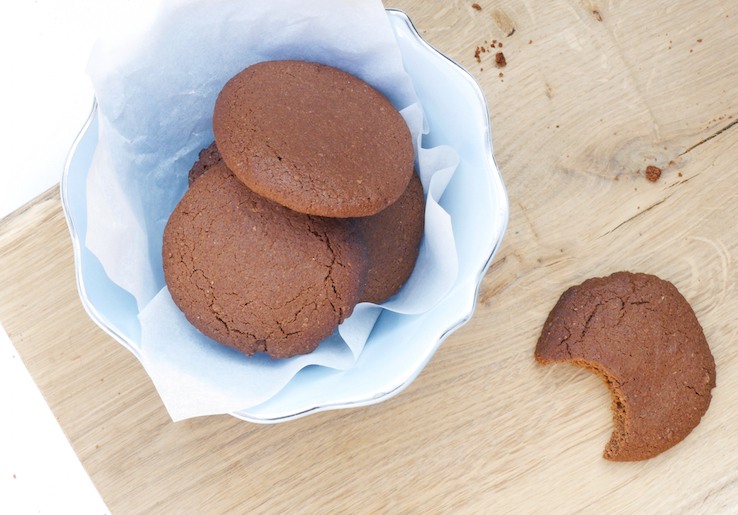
306,204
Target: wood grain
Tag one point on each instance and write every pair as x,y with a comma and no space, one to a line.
592,93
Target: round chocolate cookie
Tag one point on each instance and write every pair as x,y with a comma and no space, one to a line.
313,138
642,337
207,158
393,239
253,275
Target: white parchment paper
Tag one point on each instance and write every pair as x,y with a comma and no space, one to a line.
156,88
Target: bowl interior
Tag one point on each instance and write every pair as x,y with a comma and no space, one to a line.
399,345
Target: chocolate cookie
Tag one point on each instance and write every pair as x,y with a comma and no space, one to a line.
393,239
313,138
253,275
207,158
642,337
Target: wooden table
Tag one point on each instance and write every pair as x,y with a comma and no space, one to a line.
593,92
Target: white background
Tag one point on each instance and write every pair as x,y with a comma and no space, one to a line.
45,99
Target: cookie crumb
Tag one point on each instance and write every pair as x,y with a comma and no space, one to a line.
679,174
530,42
476,55
699,41
477,7
500,59
500,74
671,163
653,173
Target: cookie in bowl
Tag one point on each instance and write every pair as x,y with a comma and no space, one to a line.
256,276
313,138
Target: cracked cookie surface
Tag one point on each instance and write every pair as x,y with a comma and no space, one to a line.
253,275
642,337
313,138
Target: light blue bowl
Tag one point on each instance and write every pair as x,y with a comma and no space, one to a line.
399,345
